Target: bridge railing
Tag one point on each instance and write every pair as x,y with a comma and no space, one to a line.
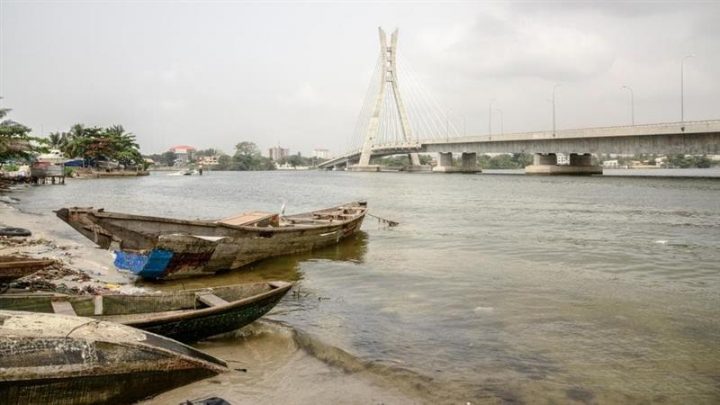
687,127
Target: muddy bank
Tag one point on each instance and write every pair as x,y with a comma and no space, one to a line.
79,266
270,366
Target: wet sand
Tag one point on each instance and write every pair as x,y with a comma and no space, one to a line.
74,257
270,367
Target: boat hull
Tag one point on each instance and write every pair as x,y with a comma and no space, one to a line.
162,248
201,327
111,388
178,316
48,358
184,255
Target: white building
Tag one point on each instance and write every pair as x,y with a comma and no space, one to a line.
610,164
208,160
277,153
183,153
321,153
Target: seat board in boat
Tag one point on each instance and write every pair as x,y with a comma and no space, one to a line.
247,218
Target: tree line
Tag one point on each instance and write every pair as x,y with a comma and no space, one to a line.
504,161
15,140
672,161
92,144
95,144
246,157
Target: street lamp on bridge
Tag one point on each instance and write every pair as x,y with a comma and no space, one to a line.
553,103
682,89
502,129
490,118
447,126
632,103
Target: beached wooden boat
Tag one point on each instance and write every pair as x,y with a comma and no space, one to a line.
14,267
187,316
154,247
56,359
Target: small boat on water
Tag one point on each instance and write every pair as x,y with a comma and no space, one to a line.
163,248
70,360
184,172
13,267
187,316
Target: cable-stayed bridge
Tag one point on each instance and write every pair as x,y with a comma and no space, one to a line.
392,122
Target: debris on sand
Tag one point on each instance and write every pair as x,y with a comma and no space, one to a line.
58,277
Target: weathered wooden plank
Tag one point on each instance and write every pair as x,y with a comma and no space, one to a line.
98,304
211,300
247,218
63,308
39,264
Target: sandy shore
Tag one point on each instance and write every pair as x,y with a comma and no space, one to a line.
270,367
81,267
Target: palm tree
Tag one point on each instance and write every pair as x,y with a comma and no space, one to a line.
81,141
15,139
123,146
58,140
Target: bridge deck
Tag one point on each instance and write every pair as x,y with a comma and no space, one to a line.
690,137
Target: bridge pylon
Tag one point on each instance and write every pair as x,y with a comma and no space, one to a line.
388,77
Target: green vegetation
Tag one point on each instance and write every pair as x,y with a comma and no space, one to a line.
247,157
399,160
10,167
164,159
299,160
207,152
15,140
94,144
670,161
505,161
688,161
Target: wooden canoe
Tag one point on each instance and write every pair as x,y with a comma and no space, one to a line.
13,267
56,359
154,247
187,315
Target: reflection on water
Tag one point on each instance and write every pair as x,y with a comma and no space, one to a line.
496,288
351,249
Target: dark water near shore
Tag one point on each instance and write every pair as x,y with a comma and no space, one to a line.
499,288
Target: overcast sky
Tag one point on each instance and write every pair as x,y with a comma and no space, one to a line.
211,74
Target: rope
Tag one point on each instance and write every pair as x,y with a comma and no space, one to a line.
383,220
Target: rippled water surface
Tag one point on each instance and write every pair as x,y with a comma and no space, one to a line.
493,287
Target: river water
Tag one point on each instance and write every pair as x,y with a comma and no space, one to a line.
493,287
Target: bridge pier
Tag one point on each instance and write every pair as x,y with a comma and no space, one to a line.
445,162
468,163
546,164
415,165
366,168
340,166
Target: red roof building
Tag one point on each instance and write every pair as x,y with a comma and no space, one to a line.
183,153
182,149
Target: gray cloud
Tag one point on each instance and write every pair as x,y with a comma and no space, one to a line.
213,74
